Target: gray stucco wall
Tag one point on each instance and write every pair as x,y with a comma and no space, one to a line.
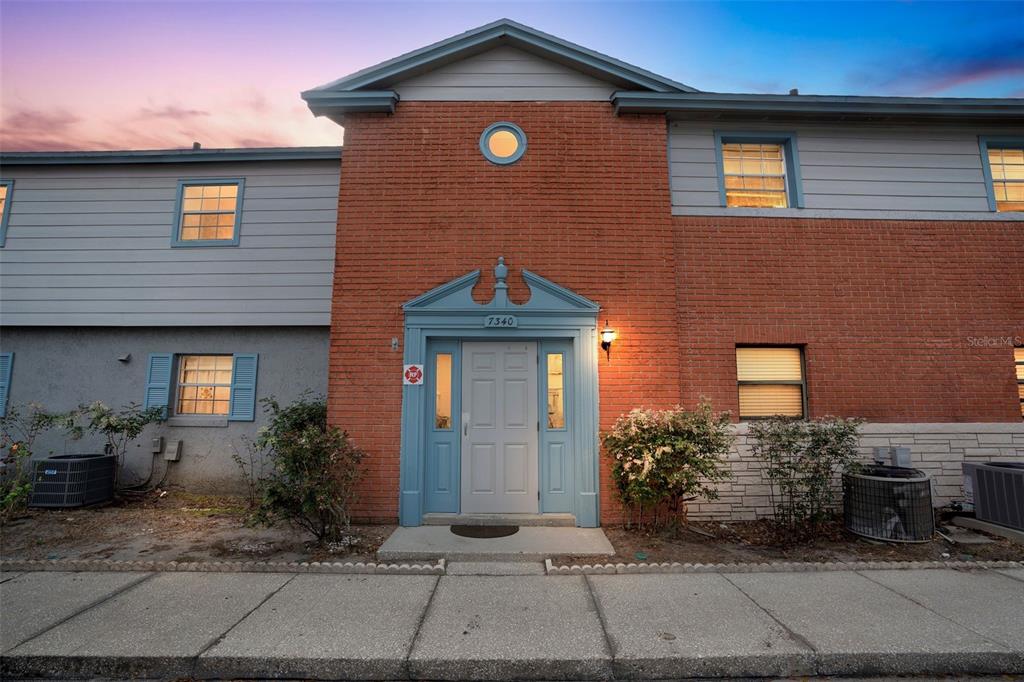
65,366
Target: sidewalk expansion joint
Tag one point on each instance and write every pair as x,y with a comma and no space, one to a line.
609,643
220,638
790,632
909,598
419,627
102,600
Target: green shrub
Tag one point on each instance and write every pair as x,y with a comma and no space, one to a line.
313,469
119,428
666,458
802,461
18,431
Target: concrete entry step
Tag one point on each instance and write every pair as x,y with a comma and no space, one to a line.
560,520
530,543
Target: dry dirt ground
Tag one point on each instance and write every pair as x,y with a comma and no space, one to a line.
759,541
178,526
174,527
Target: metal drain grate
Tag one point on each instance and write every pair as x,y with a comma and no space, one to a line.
485,531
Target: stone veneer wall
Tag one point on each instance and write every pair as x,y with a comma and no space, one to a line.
938,449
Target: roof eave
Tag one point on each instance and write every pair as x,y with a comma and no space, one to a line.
1004,110
333,104
170,156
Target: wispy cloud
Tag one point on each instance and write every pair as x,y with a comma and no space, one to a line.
261,121
944,70
26,128
171,111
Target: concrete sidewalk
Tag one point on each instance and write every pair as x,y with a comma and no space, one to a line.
476,623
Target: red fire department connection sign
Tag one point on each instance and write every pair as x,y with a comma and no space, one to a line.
413,375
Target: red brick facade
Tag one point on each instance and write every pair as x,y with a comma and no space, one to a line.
902,321
885,309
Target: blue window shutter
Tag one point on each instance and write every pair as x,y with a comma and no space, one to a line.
158,381
243,388
6,361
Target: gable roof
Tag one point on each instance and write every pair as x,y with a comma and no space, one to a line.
822,107
170,156
369,89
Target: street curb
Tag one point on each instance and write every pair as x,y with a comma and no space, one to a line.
803,664
773,567
335,567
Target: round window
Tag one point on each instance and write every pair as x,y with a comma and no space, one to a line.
503,143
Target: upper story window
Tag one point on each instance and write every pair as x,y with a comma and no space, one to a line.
758,170
1003,161
6,187
503,143
771,381
209,212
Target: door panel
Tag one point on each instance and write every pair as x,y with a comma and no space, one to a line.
443,387
516,403
557,383
482,468
499,440
482,398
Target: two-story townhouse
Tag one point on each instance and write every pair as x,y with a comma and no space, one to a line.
513,202
199,280
533,239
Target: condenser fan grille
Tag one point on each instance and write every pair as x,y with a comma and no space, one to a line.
889,503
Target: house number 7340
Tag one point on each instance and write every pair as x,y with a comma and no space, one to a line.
503,321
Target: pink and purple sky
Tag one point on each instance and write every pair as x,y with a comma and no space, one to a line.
148,75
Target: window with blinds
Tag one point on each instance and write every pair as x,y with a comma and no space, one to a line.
1006,166
754,175
1018,356
771,381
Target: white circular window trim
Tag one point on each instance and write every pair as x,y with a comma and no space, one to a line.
497,127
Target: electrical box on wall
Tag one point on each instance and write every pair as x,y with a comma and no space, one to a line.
173,451
892,456
157,445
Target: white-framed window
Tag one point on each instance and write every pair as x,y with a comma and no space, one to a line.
758,170
1003,161
771,381
1018,358
209,212
755,174
204,385
6,189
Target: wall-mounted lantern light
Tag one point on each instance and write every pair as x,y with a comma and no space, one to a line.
607,336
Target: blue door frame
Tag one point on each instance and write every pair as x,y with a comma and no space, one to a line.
561,322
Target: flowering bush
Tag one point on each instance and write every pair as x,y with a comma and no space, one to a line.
18,431
666,458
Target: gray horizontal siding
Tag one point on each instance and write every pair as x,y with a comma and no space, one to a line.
854,171
91,245
504,74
